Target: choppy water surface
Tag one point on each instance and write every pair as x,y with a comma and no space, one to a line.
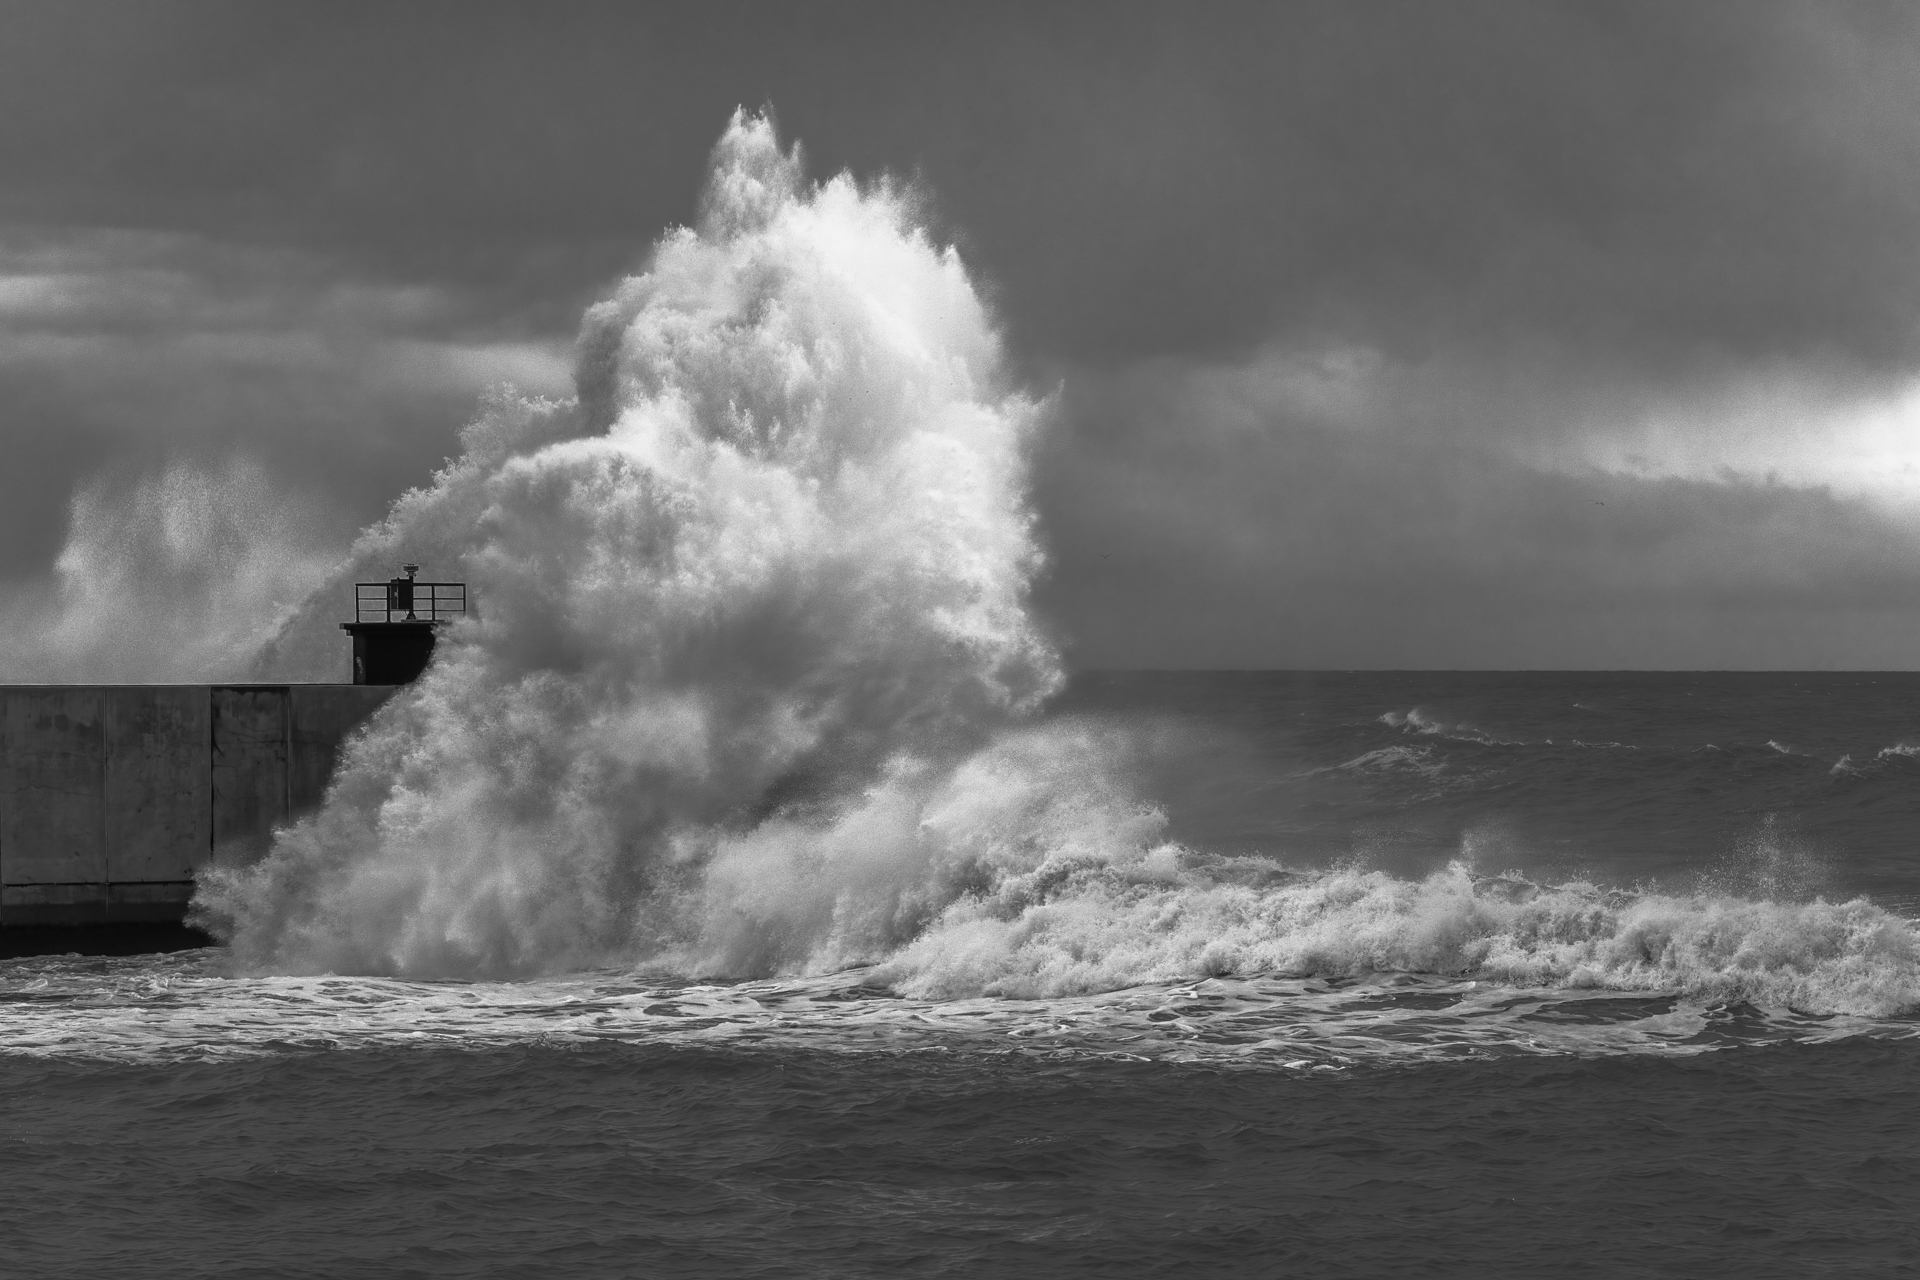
1668,1028
616,1160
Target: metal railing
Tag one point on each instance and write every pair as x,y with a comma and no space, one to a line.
404,600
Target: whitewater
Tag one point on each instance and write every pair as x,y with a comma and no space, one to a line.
752,692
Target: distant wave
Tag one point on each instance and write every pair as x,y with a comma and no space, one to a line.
1420,722
1886,758
1415,720
1418,760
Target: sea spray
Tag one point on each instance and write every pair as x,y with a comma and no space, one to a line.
752,690
770,564
180,575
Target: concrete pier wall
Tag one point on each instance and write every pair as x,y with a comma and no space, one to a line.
113,796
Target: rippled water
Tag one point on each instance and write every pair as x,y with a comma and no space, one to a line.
700,1160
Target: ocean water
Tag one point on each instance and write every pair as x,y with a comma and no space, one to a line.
1728,1084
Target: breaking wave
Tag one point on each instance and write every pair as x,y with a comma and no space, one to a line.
753,690
1416,720
1174,915
750,600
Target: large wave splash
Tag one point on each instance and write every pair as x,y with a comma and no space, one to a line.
745,607
752,691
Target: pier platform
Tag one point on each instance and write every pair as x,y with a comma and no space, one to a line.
112,797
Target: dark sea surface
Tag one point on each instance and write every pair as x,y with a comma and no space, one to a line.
1484,974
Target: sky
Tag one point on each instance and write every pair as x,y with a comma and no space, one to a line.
1435,334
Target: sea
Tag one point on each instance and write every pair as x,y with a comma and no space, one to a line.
1426,974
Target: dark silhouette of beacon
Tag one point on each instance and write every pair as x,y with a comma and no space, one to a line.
395,623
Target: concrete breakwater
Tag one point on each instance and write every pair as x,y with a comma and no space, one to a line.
113,796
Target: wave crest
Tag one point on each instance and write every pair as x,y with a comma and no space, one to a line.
1170,916
776,553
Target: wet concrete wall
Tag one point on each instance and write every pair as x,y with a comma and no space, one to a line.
113,796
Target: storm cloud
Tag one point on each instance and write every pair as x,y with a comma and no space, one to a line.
1465,334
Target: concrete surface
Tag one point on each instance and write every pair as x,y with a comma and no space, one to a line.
113,796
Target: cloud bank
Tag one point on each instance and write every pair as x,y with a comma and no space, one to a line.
1543,334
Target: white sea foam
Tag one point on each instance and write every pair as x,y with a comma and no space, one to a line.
1415,720
1094,927
183,1008
750,600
